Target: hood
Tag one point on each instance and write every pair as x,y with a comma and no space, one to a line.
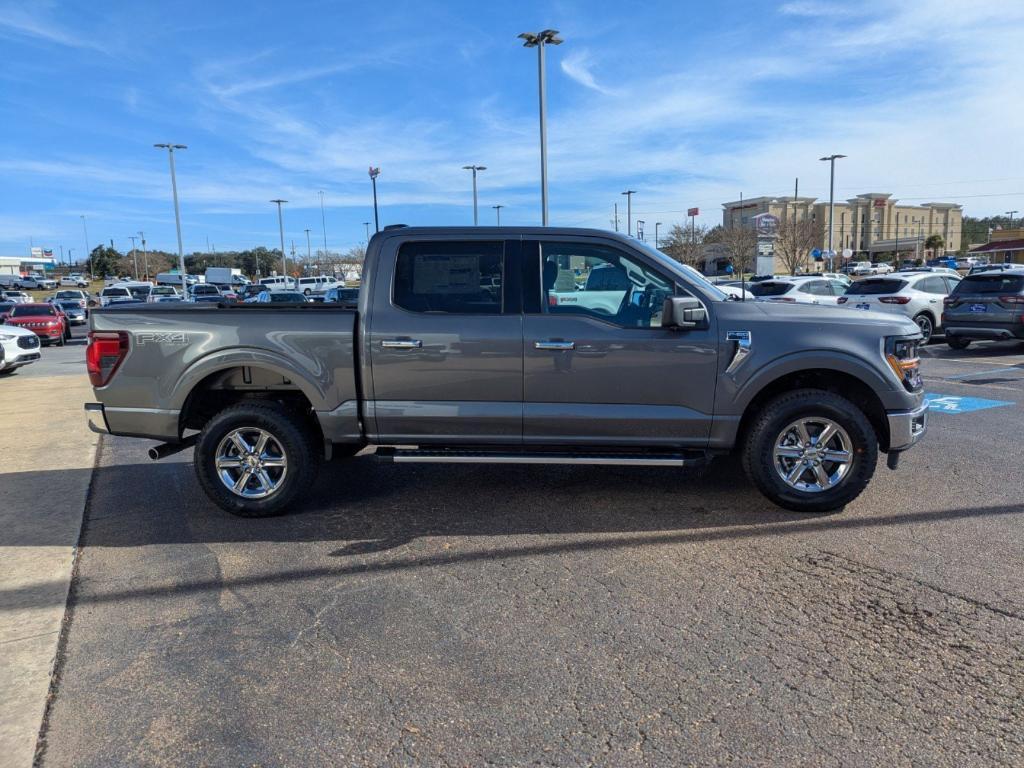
825,315
15,330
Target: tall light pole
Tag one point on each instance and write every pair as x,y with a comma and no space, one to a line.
831,160
309,249
1011,214
474,169
88,253
539,41
70,262
177,213
497,211
323,221
367,225
374,173
280,226
145,256
629,210
656,225
135,255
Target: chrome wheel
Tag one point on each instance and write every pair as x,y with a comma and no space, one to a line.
251,462
925,324
813,454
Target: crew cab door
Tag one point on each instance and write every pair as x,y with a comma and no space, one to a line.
445,342
598,366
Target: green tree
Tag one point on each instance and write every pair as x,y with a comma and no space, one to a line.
934,243
105,261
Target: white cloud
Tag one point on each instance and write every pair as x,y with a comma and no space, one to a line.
19,22
578,65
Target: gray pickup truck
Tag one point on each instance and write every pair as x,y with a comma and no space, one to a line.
515,345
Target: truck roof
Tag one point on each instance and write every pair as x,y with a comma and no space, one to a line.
457,231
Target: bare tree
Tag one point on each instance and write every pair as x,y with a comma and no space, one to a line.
685,244
741,243
794,241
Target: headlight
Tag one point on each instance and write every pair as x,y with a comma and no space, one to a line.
7,337
901,354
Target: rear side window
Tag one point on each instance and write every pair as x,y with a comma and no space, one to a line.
769,289
934,285
456,278
990,283
876,287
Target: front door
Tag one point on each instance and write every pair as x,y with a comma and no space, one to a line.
445,343
599,368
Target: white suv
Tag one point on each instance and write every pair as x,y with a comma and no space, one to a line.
18,347
918,295
801,290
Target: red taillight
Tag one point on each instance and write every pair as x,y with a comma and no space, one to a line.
895,299
842,300
1011,299
104,354
949,301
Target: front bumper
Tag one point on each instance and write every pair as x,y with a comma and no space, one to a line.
907,427
97,419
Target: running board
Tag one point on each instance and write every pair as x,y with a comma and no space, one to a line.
453,456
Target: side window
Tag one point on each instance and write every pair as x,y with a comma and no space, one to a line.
816,288
932,285
951,283
601,282
456,278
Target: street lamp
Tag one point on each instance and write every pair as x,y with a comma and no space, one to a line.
323,221
145,256
177,213
135,255
309,250
367,225
539,41
656,225
629,210
497,211
474,169
831,160
374,173
280,226
1011,214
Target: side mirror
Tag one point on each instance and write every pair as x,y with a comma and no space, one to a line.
683,312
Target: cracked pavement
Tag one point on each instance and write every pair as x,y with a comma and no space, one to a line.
468,616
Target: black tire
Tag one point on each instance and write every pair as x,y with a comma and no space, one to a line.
60,341
957,343
292,433
927,325
772,421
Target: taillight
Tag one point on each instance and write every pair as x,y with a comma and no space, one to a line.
1011,299
104,354
949,301
895,299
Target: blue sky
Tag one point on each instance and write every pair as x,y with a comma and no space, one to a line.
687,103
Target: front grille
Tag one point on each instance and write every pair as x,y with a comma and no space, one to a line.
28,342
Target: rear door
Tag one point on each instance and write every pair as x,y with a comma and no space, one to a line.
598,366
445,342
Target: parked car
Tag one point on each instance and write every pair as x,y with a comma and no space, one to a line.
992,268
163,293
18,347
18,297
987,305
279,283
281,297
45,320
918,295
801,290
933,270
81,297
434,368
203,292
341,295
861,268
310,285
111,292
881,268
37,283
251,291
74,281
73,311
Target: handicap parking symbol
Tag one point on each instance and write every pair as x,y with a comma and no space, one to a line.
957,404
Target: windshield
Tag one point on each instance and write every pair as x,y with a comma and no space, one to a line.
988,282
872,287
683,270
69,294
31,310
766,288
164,291
280,296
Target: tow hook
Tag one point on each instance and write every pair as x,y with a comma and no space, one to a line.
892,459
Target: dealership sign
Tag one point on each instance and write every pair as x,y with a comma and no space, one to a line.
693,212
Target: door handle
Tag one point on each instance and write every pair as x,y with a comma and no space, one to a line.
554,345
401,344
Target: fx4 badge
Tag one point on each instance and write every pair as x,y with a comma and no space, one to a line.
149,337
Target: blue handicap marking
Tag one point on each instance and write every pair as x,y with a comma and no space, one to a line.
957,404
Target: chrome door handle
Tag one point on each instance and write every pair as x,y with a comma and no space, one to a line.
401,344
554,345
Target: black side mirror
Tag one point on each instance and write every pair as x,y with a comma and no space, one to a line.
683,312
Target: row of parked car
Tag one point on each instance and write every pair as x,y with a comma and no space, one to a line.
987,304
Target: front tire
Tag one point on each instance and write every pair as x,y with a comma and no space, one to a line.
255,458
810,451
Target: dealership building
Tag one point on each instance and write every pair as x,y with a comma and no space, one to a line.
23,265
866,225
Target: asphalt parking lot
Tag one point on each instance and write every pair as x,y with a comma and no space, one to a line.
439,615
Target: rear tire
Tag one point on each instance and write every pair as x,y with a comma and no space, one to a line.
772,433
293,458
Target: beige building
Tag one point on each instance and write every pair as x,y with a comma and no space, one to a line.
867,224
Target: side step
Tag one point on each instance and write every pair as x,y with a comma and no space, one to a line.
625,458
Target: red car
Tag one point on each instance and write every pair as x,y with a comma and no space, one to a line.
46,320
